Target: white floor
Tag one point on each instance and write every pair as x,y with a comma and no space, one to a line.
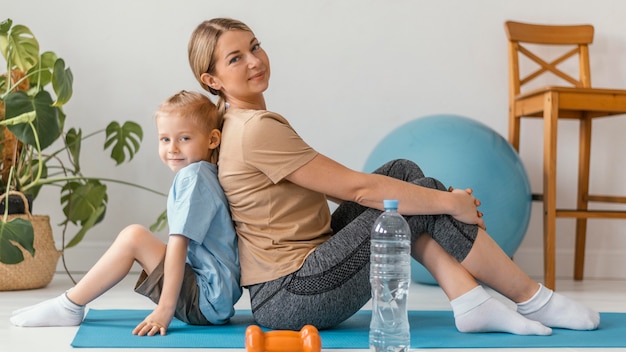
602,295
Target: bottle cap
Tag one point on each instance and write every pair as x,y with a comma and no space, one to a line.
390,203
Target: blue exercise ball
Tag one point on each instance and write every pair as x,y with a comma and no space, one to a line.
464,153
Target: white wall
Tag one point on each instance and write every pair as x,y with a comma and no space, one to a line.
345,73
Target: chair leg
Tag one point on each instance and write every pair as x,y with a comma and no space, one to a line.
579,249
583,191
549,188
514,128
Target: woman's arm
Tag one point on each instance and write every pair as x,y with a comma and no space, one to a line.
326,176
174,268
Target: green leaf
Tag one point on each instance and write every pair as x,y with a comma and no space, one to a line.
86,226
81,200
25,48
46,122
48,60
61,116
62,80
85,206
41,75
126,139
17,231
17,103
73,140
160,222
5,26
3,85
22,119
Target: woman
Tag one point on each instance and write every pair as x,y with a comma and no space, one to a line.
303,265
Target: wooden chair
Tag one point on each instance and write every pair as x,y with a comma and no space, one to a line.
579,101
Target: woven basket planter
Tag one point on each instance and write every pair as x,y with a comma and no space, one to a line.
35,271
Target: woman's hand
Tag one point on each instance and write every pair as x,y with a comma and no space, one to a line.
156,322
467,207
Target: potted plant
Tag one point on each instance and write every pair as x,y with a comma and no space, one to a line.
38,148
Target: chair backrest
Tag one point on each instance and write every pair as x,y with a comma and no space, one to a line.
577,36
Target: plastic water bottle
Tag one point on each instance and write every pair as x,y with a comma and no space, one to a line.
390,273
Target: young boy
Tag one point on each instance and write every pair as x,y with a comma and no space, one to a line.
195,278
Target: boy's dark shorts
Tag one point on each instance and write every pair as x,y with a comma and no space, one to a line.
187,307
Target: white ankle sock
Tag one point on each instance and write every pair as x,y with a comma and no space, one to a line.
477,311
557,311
59,311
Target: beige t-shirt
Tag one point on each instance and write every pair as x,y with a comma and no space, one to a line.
278,223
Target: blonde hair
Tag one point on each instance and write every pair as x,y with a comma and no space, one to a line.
201,49
193,105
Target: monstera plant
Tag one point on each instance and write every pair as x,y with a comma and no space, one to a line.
38,148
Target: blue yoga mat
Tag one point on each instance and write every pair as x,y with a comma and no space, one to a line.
429,329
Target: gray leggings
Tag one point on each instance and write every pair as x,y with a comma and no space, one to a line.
333,282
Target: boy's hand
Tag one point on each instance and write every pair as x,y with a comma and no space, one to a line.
154,323
174,268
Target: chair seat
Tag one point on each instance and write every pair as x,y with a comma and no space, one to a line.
573,102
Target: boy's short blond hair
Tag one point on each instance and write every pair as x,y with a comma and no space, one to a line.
192,105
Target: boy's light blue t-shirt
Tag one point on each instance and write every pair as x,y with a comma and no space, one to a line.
197,209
